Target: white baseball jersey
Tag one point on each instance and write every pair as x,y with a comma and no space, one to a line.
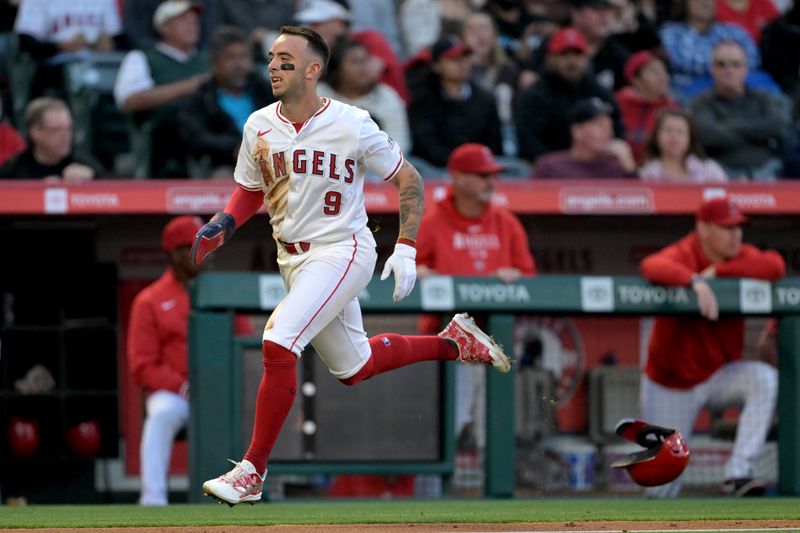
61,20
313,179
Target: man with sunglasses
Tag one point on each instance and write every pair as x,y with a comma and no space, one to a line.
741,127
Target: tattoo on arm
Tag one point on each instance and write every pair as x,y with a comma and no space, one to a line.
412,200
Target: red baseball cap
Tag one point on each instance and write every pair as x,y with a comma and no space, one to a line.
180,231
567,39
722,212
473,158
636,63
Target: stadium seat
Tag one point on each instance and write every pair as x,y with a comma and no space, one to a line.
100,127
199,167
21,69
613,395
140,146
516,168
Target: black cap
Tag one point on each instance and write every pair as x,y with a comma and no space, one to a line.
587,109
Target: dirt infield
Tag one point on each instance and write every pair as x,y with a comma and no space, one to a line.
625,526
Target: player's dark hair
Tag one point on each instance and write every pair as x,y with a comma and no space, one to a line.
223,37
314,39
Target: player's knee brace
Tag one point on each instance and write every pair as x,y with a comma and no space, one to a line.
361,375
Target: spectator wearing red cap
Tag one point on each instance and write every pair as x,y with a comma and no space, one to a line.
157,355
595,20
447,109
465,235
647,94
541,117
697,361
594,152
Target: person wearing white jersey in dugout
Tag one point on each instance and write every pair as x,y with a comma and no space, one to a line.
305,157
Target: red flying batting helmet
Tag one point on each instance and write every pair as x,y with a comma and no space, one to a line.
664,458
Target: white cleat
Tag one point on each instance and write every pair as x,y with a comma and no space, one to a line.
242,484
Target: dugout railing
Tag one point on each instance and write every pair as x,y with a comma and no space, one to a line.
215,357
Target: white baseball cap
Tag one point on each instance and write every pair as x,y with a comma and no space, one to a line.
170,9
317,11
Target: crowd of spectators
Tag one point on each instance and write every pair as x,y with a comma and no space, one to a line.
713,80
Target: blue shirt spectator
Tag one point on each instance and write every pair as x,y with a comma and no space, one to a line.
238,106
690,40
690,50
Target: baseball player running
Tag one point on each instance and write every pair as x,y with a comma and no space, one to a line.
305,157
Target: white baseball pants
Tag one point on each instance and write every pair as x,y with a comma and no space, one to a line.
321,304
167,414
754,383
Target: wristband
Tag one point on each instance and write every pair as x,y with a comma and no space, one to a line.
695,279
408,241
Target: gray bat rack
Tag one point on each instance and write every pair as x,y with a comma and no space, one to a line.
216,420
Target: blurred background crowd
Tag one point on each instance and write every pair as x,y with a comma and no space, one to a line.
693,90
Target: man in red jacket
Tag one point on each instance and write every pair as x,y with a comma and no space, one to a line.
157,355
465,235
697,361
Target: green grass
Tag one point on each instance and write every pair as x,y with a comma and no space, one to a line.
402,512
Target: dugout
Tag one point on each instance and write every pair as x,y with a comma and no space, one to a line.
110,230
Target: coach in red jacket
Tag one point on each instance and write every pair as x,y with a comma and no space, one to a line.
157,355
697,361
465,235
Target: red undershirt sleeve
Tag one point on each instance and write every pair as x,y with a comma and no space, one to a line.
243,204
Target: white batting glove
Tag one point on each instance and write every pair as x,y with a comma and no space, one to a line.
403,263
